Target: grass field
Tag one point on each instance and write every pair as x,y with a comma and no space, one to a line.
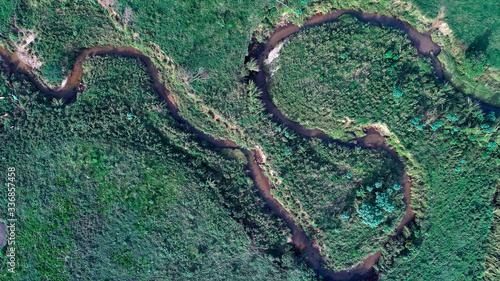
474,23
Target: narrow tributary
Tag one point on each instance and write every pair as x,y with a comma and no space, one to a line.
373,140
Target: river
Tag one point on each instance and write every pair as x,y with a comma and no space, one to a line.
373,140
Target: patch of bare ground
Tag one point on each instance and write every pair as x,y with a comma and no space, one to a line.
272,60
110,5
260,157
23,50
106,4
442,26
347,122
379,128
126,16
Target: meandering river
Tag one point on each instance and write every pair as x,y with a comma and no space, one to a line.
373,140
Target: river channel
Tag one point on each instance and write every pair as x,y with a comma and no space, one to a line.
373,140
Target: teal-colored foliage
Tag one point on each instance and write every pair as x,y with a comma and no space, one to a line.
491,116
377,204
492,145
93,183
383,202
452,117
420,125
397,92
487,128
345,216
438,192
436,125
371,215
388,55
389,191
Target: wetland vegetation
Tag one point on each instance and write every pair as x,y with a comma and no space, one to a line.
370,74
177,159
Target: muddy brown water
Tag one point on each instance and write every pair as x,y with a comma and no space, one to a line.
421,41
300,239
372,140
74,83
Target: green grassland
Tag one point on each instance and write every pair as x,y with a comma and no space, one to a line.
61,29
206,41
493,251
371,74
103,194
474,23
473,61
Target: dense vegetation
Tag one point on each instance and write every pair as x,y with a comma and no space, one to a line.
371,74
469,37
471,56
493,251
348,199
110,187
52,33
115,155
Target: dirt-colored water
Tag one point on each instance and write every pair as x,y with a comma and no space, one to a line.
372,140
422,41
300,239
74,82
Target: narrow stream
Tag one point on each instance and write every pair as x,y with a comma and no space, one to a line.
300,239
372,140
74,84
